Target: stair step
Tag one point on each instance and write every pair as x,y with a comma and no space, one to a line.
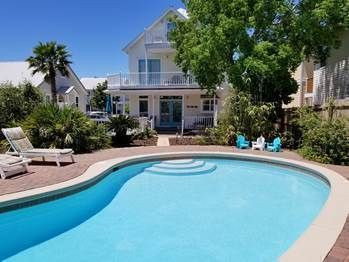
194,164
207,168
178,161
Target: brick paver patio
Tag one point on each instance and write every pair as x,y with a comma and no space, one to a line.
43,174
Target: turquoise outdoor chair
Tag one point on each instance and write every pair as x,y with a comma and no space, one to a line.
241,142
275,146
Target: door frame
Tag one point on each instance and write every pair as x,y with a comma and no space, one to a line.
171,100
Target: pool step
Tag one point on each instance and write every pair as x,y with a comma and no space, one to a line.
178,161
194,164
181,167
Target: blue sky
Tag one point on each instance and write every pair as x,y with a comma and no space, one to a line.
94,31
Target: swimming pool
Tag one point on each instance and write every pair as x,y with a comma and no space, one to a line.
205,209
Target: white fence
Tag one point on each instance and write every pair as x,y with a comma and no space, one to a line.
150,79
331,81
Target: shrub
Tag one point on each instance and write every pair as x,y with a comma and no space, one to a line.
324,140
240,116
119,125
16,103
52,127
145,134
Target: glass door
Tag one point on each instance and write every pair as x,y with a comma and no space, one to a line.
170,111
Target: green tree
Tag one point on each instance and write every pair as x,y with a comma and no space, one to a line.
99,97
49,59
16,103
256,45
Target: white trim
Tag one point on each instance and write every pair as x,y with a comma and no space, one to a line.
135,40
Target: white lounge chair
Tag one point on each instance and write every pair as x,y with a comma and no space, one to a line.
259,144
8,164
22,147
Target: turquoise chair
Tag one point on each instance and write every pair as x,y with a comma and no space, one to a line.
241,142
275,146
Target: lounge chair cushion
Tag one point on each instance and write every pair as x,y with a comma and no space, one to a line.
6,160
19,140
42,151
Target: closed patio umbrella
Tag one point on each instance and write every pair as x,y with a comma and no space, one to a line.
108,106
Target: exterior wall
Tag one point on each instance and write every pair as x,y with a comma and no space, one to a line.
70,98
138,51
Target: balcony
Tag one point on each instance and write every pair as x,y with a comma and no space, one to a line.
157,42
164,80
331,81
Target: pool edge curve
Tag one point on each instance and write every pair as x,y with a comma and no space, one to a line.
313,245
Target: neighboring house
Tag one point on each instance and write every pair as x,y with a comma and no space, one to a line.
70,91
90,84
156,88
318,83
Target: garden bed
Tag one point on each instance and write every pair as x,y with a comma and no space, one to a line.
145,142
183,141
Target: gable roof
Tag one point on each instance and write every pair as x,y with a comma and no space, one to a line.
182,13
18,72
91,83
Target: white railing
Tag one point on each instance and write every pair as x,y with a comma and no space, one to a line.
331,81
156,37
198,122
150,79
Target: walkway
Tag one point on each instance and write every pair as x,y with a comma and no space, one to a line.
163,140
47,174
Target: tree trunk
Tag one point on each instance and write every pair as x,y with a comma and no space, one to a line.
53,86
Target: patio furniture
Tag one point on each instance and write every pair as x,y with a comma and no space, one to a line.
22,147
259,144
8,164
241,142
275,146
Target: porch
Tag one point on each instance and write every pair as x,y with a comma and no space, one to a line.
168,110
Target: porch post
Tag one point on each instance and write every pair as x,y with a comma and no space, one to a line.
123,104
153,113
183,114
215,114
301,86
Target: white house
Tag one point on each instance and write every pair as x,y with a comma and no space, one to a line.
90,84
70,91
319,82
156,88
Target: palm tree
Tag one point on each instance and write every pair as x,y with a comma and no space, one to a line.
48,59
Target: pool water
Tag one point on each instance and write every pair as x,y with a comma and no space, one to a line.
191,210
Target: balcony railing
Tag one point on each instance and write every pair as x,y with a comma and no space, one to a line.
331,81
146,80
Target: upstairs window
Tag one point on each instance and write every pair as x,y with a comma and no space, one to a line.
170,26
77,101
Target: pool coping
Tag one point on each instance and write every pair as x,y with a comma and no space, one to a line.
313,245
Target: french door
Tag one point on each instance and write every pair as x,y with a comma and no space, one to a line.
170,111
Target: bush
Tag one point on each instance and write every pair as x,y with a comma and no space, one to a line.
119,125
240,116
324,140
16,103
220,135
145,134
52,127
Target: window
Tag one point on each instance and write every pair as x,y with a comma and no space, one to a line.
143,106
60,99
77,101
170,27
208,105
